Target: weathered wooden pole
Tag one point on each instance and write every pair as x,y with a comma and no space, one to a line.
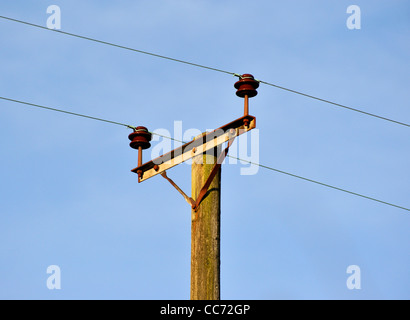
206,231
206,188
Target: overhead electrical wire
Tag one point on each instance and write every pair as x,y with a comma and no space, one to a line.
242,160
209,68
67,112
321,183
117,45
335,104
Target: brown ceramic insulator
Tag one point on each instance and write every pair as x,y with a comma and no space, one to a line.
247,86
140,138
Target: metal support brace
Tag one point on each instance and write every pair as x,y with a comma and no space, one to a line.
190,201
211,177
195,204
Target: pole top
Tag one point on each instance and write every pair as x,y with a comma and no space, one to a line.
140,138
247,86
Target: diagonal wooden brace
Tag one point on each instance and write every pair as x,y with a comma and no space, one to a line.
211,177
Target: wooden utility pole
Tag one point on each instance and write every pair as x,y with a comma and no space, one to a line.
205,151
206,231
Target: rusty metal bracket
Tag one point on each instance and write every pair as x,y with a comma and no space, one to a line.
197,146
195,204
211,177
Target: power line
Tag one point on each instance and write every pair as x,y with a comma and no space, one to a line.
119,46
242,160
335,104
322,184
67,112
209,68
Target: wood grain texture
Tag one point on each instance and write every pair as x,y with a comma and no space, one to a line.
205,232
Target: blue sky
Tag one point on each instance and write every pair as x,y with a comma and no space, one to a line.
68,197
